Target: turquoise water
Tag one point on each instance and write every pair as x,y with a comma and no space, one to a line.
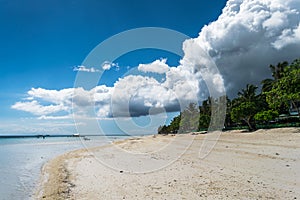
21,160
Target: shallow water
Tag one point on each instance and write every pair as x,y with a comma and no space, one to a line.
21,160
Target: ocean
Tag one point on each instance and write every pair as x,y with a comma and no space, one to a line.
21,160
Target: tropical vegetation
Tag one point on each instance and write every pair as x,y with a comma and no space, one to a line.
278,102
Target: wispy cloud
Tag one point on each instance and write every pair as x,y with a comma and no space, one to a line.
49,117
85,69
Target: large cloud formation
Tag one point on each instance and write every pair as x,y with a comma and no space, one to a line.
250,35
247,37
133,95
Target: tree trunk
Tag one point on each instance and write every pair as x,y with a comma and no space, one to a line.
251,126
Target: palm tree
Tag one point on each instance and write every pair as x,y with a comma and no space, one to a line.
277,73
267,84
248,94
246,106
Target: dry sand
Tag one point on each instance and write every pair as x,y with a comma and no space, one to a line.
261,165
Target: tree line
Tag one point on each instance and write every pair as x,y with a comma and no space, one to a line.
279,96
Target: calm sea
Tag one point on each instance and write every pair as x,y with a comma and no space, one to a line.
21,160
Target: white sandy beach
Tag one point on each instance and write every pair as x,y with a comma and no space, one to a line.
261,165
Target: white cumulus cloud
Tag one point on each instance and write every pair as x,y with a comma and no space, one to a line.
158,66
248,36
108,65
132,95
35,108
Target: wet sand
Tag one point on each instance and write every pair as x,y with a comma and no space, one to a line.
260,165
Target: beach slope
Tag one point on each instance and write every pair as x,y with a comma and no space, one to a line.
259,165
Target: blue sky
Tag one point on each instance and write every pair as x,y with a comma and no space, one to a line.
41,41
44,42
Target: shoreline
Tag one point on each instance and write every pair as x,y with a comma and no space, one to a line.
263,164
54,172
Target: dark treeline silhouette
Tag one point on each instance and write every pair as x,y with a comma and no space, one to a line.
277,103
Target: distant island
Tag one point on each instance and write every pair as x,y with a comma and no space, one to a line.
34,136
56,135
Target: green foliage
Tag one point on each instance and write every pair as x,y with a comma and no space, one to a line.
162,129
228,120
186,121
266,116
279,94
204,121
174,125
205,114
286,90
248,94
189,119
246,106
277,73
245,111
